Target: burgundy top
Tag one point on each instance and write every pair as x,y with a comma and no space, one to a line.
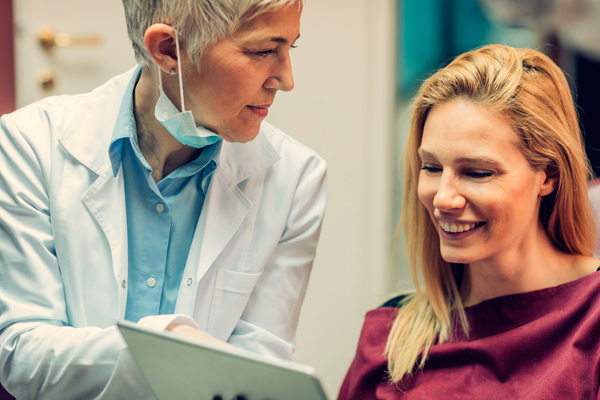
543,344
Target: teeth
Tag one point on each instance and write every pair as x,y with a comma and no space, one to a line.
449,227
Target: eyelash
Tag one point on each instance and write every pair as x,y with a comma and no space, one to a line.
429,168
479,175
267,53
472,174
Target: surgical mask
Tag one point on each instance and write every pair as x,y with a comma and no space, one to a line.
181,124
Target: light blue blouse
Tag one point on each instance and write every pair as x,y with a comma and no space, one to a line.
161,218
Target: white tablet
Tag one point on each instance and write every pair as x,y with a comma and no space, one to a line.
181,367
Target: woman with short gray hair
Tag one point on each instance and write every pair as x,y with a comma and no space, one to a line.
161,198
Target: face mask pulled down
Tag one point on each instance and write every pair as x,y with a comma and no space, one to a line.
181,124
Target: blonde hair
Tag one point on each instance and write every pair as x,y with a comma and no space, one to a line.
199,23
532,92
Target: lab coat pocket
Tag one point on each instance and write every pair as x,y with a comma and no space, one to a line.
232,291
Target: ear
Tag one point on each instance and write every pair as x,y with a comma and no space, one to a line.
160,42
549,184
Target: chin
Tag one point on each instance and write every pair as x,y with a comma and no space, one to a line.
244,139
249,136
245,136
454,257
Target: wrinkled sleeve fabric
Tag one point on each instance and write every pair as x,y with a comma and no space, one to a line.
268,323
40,355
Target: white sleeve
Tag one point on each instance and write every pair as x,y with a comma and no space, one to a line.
40,355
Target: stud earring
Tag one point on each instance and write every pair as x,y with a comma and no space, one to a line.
172,72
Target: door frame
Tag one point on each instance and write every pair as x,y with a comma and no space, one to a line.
7,61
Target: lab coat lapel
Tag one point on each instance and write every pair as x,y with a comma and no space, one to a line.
106,202
87,139
224,210
226,205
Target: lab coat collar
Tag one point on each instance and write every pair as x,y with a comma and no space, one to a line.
241,160
88,135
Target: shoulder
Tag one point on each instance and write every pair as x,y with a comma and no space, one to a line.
271,152
31,135
51,113
288,147
382,317
54,115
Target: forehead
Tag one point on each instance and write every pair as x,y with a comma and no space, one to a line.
459,128
281,22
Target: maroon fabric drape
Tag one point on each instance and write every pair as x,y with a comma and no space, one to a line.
537,345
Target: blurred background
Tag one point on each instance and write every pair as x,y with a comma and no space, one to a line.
358,65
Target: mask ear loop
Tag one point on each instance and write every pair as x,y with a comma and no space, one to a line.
179,66
180,78
159,77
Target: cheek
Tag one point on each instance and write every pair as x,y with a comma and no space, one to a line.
525,206
236,95
516,201
426,191
221,84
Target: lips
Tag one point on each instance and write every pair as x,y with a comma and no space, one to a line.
261,111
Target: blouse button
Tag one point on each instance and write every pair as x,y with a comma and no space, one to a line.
151,282
160,207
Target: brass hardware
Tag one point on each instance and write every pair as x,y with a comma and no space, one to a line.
46,80
49,39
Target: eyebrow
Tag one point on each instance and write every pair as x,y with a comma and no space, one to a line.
282,40
275,39
463,160
477,160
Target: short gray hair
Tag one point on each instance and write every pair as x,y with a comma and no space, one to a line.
198,23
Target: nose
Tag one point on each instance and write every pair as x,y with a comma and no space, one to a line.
282,77
448,196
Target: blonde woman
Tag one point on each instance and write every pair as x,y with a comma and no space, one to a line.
499,235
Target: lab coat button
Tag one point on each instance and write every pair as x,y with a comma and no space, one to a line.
160,207
124,284
151,282
189,282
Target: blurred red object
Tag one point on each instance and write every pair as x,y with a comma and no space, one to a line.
7,61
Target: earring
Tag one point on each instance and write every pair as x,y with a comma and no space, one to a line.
172,72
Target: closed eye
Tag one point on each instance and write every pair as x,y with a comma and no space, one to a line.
430,168
479,174
265,53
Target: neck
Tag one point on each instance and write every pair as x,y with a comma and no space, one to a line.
161,150
537,266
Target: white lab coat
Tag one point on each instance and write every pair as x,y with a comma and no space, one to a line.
63,248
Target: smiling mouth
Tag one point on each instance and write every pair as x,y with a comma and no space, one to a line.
456,228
